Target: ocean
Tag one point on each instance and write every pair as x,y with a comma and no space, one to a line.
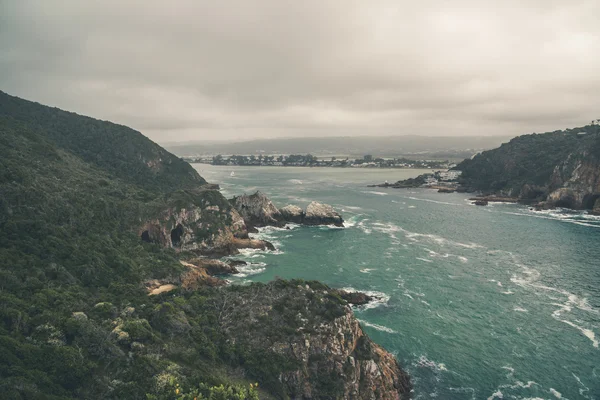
495,302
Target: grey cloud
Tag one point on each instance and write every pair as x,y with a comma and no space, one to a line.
185,70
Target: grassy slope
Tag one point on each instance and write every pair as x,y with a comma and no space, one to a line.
71,190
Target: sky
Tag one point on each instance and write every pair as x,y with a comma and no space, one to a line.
183,70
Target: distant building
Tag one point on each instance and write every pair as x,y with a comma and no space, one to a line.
449,175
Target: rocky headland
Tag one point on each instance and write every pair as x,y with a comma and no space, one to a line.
118,241
548,170
257,210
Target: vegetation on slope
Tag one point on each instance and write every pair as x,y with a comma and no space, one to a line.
529,160
75,318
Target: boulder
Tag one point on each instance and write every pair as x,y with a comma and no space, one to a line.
257,210
354,298
322,214
480,202
291,213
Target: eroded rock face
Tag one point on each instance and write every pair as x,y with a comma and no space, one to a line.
202,221
214,267
291,213
257,210
328,354
322,214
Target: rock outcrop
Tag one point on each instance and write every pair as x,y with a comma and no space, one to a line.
322,214
326,353
257,210
200,221
354,298
291,213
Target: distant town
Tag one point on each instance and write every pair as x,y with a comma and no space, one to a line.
308,160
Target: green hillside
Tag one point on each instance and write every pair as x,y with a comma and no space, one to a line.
76,318
533,166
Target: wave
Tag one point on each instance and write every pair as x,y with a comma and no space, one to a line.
379,298
391,229
251,269
376,326
374,192
431,201
295,181
572,300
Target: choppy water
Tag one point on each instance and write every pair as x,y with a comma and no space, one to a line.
478,302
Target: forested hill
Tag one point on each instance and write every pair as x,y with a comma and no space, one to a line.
118,150
88,212
562,167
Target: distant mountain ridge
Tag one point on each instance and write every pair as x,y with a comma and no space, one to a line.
350,145
559,169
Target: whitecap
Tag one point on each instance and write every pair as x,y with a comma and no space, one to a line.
556,393
520,309
376,326
379,298
424,259
367,270
496,395
374,192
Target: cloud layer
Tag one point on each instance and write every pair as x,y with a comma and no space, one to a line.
233,69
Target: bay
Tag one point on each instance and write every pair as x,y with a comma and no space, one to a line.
477,302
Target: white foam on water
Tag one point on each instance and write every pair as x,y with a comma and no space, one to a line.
582,389
520,309
586,332
379,298
556,393
295,181
367,270
376,326
496,395
251,269
412,206
424,259
431,201
361,226
424,362
374,192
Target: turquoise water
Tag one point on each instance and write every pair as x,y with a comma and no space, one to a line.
478,302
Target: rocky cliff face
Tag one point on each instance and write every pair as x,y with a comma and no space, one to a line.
200,221
327,355
322,214
257,210
558,169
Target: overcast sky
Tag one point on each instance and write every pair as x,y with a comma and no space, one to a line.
215,70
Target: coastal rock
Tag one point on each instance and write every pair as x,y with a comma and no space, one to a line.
354,298
257,210
322,214
195,277
328,356
214,267
291,213
446,190
563,197
480,202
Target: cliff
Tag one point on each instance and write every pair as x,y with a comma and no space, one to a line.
559,168
312,339
257,210
95,221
